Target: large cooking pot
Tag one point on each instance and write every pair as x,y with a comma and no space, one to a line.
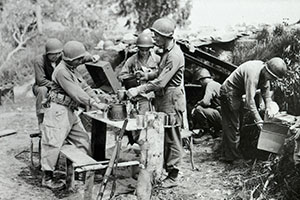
117,112
130,81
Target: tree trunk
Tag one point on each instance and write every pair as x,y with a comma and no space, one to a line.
152,148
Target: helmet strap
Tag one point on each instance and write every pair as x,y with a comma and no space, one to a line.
270,72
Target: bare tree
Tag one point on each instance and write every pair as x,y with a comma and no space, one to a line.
20,26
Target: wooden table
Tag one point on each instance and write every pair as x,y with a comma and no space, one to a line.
99,128
98,115
151,142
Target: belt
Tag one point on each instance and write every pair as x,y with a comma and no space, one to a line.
63,100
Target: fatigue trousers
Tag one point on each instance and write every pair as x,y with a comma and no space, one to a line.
41,93
61,124
173,101
207,117
231,106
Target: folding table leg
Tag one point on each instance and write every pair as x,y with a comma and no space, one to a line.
89,184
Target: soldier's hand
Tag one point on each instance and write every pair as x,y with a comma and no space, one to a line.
101,106
132,92
141,74
297,135
95,58
295,130
269,114
260,124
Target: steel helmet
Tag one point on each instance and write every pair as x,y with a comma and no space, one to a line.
53,45
201,74
164,26
144,40
73,50
276,67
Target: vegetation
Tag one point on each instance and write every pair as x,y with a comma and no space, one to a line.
147,12
26,25
276,177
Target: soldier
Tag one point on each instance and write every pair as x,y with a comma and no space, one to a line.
43,67
206,112
143,65
61,123
246,79
169,94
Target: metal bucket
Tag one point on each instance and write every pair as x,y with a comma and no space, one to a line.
272,137
117,112
130,81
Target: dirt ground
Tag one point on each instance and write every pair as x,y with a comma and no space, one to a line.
18,180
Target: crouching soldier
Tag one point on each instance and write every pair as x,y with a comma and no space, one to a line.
43,68
61,123
206,113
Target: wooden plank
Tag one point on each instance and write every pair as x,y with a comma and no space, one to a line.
98,166
90,168
70,176
7,132
78,157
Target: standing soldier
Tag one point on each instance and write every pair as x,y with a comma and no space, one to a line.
61,123
169,94
43,67
246,79
207,111
144,66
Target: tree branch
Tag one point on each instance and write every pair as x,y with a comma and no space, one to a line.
15,37
21,40
19,47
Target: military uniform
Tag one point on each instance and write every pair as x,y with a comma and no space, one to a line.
244,80
150,68
207,111
43,69
61,123
170,98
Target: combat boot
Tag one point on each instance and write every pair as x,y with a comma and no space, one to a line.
171,180
48,182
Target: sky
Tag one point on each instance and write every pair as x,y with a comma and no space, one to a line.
224,13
